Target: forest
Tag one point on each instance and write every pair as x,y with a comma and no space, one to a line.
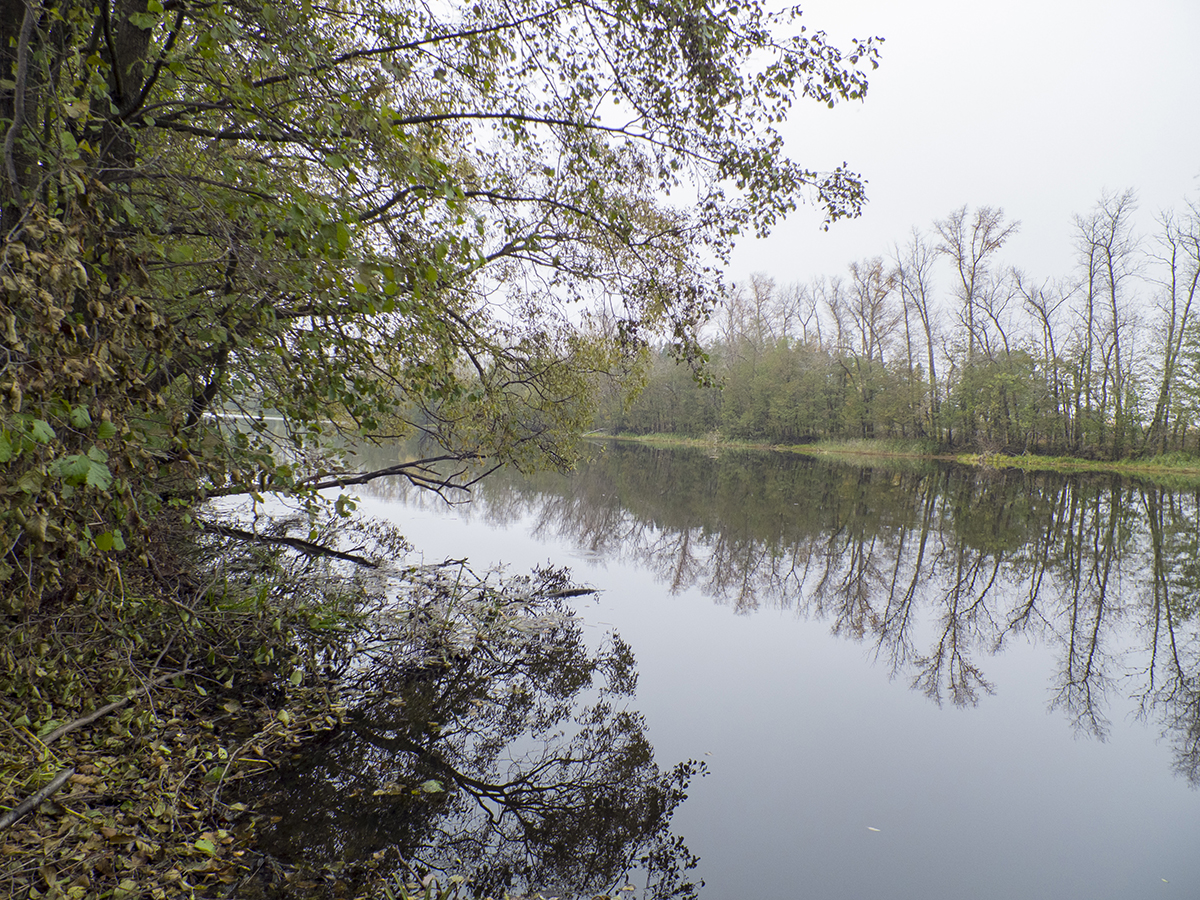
941,340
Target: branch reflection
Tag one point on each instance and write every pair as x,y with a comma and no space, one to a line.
512,758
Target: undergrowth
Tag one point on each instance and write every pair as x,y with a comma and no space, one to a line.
151,699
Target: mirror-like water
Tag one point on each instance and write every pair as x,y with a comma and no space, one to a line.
921,682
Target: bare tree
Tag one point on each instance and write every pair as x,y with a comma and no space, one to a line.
832,295
1109,254
971,242
914,278
1045,303
749,324
797,313
1179,243
870,306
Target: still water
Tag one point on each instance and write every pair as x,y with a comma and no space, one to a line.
905,681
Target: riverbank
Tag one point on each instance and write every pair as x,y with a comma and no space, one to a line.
144,726
130,718
1175,469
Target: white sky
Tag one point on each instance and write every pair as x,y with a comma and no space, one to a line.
1035,106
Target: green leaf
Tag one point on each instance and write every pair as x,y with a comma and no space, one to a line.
41,431
80,417
206,846
432,786
98,476
106,430
143,20
110,540
73,469
31,482
6,447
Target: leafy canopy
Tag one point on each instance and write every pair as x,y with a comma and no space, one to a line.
357,220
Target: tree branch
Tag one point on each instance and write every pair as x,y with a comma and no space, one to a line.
106,709
32,13
309,547
33,802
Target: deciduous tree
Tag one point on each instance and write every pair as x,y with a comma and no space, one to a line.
365,218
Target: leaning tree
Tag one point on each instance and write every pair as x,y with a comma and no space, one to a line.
237,235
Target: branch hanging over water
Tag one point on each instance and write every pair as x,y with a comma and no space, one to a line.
308,547
420,473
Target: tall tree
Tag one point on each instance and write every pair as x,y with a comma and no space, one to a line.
914,278
1109,255
1179,253
1046,303
367,218
971,242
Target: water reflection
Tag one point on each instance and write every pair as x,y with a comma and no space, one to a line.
937,567
514,760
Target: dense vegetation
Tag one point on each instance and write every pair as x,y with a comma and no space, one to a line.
943,343
368,221
238,237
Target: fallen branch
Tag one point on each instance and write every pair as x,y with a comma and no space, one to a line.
107,708
303,546
33,802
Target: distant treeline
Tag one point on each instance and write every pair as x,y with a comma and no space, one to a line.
940,342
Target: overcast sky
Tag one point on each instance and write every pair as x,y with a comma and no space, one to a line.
1035,106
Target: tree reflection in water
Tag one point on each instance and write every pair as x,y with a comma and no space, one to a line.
938,566
488,740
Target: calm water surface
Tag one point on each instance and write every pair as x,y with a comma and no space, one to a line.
915,682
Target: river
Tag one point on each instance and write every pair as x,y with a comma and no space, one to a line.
905,681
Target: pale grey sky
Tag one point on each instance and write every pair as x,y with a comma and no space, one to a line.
1032,105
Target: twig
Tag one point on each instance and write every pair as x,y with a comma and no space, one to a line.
33,802
107,708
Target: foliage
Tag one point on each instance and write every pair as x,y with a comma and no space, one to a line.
1011,365
238,237
158,701
357,220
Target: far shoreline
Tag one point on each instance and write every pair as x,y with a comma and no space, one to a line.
1173,467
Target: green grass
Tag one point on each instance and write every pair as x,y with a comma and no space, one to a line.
876,447
1176,469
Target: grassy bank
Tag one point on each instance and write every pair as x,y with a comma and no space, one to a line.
1175,469
1172,469
891,447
